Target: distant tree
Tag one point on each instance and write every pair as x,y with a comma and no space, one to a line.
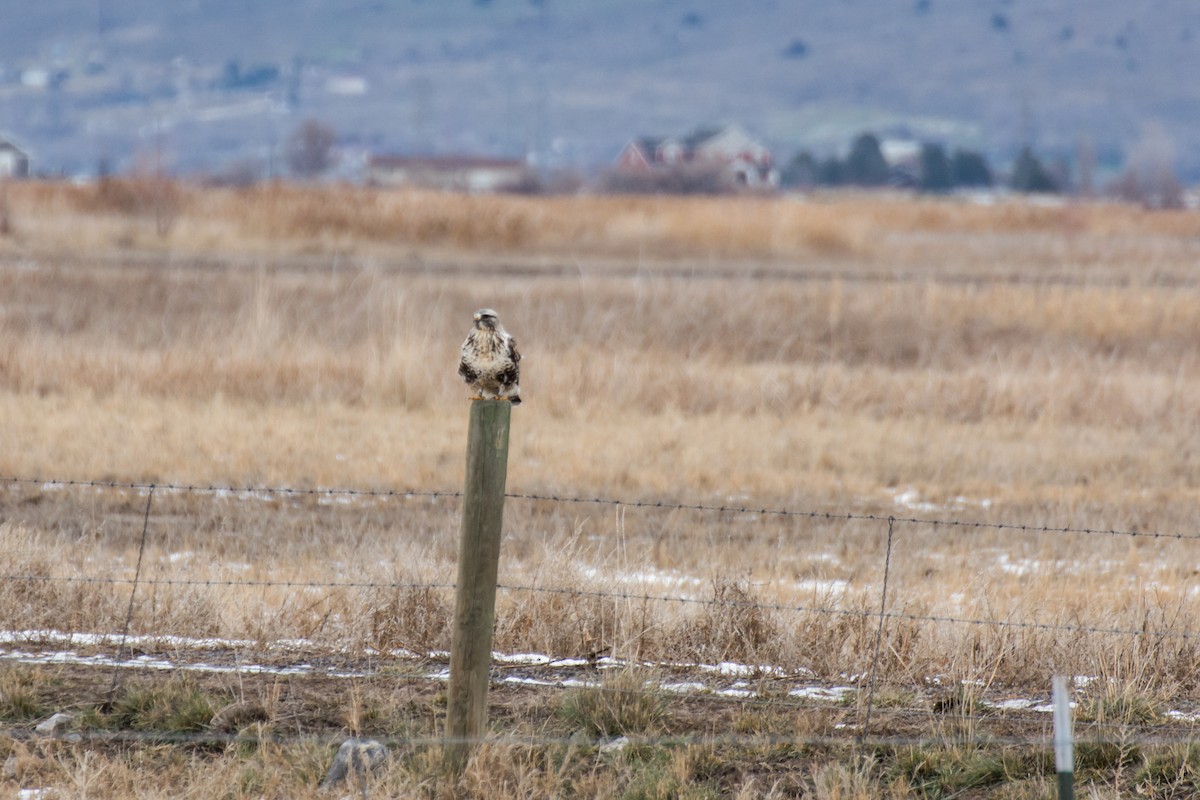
1029,175
309,150
831,172
865,166
1149,175
935,169
969,168
800,171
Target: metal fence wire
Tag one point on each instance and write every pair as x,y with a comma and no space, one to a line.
1174,731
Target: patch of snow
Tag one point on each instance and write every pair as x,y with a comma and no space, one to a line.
615,746
735,669
833,694
911,500
1014,704
642,577
738,686
539,660
826,587
684,687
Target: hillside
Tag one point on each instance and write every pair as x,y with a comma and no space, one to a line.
200,84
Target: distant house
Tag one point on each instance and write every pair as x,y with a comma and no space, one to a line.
14,163
903,157
746,161
647,152
451,173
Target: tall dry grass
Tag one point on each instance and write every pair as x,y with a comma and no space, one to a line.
948,361
847,231
1046,402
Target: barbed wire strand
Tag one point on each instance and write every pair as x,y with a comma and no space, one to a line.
1149,633
228,490
883,615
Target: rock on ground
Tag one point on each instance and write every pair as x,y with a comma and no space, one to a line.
357,756
55,726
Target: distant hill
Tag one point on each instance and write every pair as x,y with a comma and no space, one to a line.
205,84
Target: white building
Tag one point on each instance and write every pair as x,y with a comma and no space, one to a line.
14,162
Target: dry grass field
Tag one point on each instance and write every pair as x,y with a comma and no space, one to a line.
846,358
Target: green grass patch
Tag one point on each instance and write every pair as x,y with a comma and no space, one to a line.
177,706
936,772
1176,768
623,705
20,695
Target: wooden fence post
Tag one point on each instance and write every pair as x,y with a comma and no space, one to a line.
478,566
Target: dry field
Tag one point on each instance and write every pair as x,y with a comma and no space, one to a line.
848,359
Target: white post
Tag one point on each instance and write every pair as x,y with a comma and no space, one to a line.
1064,756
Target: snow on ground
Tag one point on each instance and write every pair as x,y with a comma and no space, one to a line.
728,679
222,656
910,499
645,577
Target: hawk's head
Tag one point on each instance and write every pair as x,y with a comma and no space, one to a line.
487,318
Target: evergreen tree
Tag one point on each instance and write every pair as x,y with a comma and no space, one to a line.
935,168
800,171
1029,175
831,172
865,166
969,168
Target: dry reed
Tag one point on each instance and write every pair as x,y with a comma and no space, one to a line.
1005,363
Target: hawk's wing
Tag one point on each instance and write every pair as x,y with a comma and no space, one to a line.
511,372
465,369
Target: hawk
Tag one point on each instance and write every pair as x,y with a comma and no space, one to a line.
490,360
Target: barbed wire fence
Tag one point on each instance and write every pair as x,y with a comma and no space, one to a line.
1180,729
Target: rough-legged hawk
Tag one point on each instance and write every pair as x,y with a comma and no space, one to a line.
490,360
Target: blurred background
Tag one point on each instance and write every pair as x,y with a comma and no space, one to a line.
1051,95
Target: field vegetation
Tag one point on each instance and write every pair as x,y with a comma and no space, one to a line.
845,358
